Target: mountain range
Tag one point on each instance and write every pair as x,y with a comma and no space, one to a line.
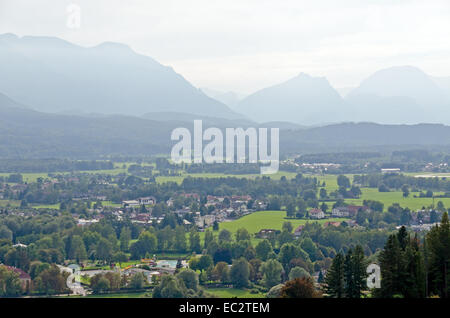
53,75
26,133
397,95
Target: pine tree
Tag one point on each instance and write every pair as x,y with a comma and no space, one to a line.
359,272
438,240
392,267
414,286
348,275
355,272
335,277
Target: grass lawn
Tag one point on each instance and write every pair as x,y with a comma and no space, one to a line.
28,177
266,220
111,204
46,206
114,295
233,292
179,179
389,198
13,203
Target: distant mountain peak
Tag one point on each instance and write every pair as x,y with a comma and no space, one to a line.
113,46
107,78
401,81
301,99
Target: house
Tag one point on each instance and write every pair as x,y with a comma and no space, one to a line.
183,211
298,231
20,245
336,224
25,279
147,200
316,214
130,203
84,222
390,171
194,196
265,233
205,221
347,211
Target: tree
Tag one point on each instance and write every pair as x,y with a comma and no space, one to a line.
125,237
415,280
271,271
180,239
169,287
10,285
263,249
209,238
222,255
240,273
440,206
100,285
343,181
137,281
287,227
77,249
405,191
224,236
323,194
194,242
288,251
242,235
438,240
354,272
275,291
190,279
146,244
301,206
299,288
392,268
120,257
5,233
103,251
298,272
51,281
335,277
205,262
221,272
290,209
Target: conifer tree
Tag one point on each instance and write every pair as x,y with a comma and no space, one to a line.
335,277
438,240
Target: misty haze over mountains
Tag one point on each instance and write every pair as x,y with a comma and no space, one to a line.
52,75
59,99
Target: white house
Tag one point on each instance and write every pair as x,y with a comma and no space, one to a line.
316,214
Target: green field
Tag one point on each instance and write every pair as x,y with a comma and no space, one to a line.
179,179
114,295
12,203
389,198
266,220
233,292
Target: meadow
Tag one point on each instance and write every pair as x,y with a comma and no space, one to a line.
257,221
232,293
179,179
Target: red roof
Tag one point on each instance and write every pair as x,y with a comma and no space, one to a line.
22,274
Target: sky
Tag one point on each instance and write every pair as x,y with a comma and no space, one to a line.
245,45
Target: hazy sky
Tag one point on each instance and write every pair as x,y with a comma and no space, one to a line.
244,45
